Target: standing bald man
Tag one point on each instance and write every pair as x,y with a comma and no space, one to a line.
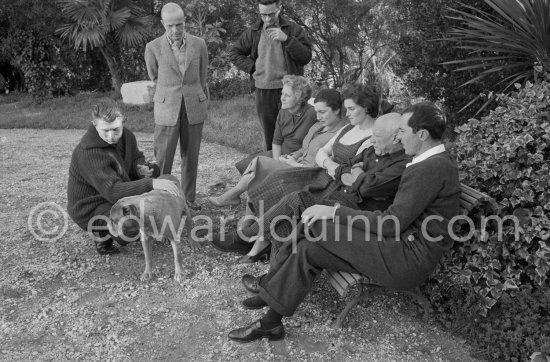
178,62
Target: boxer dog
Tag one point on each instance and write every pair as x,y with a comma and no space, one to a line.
156,215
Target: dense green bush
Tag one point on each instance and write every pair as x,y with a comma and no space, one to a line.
515,328
506,155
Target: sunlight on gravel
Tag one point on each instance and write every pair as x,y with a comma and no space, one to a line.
61,301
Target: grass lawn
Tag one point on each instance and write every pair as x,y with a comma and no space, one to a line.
232,123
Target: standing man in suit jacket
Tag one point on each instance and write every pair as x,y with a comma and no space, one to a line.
177,62
268,50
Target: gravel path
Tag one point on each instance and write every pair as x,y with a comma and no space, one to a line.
61,301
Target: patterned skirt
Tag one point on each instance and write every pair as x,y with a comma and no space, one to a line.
282,182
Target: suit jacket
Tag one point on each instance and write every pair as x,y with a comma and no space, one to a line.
171,85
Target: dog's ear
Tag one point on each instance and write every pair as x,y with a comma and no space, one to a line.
129,210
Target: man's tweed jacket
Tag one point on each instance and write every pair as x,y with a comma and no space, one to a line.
171,85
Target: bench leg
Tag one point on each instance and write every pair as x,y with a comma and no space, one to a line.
361,293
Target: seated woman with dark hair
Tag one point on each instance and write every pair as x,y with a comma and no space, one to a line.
362,105
327,107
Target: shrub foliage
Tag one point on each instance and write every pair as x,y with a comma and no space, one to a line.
506,155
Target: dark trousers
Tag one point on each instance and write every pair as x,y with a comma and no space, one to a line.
268,104
276,228
291,275
387,260
166,141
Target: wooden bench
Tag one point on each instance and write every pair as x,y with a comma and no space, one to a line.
472,203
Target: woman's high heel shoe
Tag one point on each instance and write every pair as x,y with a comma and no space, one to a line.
262,255
218,203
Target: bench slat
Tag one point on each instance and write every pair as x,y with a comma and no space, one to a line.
338,282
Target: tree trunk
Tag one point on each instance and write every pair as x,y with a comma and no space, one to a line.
114,69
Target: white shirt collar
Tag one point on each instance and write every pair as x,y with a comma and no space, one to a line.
427,154
175,45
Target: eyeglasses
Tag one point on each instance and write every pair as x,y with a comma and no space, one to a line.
270,15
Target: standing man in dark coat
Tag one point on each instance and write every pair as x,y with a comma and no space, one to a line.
398,247
178,62
268,50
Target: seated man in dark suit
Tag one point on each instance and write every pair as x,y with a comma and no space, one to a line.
106,166
398,247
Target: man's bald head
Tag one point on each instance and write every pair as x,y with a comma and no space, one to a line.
171,9
173,20
388,122
384,133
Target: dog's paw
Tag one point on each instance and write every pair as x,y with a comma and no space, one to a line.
194,245
146,275
178,276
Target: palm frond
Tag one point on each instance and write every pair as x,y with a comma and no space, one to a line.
509,40
80,11
81,37
134,32
117,18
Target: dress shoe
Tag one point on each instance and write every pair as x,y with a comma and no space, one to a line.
254,332
262,255
106,247
193,205
231,242
251,283
253,303
216,201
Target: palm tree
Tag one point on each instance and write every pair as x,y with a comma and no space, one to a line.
509,42
107,25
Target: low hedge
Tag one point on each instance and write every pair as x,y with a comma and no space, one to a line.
506,155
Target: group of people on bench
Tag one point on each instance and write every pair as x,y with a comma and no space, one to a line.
376,200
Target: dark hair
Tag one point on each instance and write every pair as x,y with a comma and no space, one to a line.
106,111
268,2
368,97
428,116
331,97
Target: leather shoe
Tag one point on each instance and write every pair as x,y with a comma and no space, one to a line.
254,332
231,242
106,247
261,256
251,283
253,303
193,205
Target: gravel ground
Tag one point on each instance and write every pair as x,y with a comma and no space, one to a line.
61,301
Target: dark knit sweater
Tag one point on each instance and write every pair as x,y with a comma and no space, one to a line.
428,188
100,174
